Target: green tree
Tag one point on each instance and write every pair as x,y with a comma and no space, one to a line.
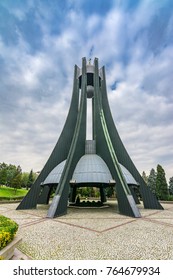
161,184
3,173
16,182
145,177
24,179
152,180
171,185
7,173
31,179
11,173
17,179
110,191
84,191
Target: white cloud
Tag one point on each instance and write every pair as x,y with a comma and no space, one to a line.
37,85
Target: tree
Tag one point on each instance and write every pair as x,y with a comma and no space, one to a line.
3,174
171,186
24,179
16,182
17,179
11,173
110,191
152,181
161,184
31,179
145,177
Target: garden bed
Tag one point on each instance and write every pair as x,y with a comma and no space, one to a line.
8,229
7,252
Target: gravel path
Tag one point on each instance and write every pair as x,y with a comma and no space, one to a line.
94,233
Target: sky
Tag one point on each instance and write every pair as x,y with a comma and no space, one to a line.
42,40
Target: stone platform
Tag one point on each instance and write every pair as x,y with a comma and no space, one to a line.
93,234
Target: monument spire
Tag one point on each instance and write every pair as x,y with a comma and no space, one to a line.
100,162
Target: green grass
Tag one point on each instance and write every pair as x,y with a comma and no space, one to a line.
6,192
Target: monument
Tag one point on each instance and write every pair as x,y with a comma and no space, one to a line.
100,162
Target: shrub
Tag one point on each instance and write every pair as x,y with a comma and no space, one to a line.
11,198
170,198
8,229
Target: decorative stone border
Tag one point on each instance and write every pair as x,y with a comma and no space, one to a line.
7,252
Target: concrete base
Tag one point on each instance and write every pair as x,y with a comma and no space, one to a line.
7,252
88,207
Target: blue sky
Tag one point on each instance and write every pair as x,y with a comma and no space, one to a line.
41,41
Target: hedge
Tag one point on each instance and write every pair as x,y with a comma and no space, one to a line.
8,229
11,198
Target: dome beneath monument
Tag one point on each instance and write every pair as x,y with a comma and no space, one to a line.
55,175
91,168
130,180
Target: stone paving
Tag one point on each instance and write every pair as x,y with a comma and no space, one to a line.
96,234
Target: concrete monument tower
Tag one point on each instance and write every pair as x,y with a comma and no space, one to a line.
100,162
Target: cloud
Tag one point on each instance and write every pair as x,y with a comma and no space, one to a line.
39,48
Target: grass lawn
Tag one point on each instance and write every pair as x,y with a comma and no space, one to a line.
6,192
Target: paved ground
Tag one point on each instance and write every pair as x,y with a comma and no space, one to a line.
93,234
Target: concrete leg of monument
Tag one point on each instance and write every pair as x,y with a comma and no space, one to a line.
53,206
135,209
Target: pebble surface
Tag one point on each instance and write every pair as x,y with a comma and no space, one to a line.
98,234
